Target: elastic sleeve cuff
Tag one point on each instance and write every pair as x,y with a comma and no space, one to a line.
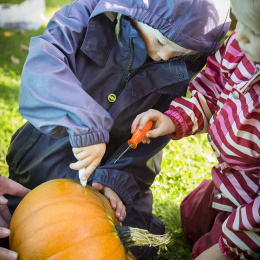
181,126
222,247
226,250
89,139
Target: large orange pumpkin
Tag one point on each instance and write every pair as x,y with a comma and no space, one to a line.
61,220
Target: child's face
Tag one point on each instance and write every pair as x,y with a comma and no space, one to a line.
248,27
158,47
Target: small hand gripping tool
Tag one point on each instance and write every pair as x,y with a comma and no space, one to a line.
137,137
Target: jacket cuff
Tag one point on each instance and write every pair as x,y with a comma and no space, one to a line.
231,253
223,248
181,126
89,139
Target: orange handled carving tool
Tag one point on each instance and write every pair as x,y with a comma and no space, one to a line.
137,137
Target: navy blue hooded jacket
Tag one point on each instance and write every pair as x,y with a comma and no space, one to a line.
73,67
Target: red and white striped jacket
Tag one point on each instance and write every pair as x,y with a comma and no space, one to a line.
225,103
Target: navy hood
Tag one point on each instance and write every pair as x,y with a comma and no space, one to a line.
198,25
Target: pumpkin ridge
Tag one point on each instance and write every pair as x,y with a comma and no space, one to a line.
56,203
97,217
79,242
85,239
115,251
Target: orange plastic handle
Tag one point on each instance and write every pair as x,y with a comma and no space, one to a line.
139,135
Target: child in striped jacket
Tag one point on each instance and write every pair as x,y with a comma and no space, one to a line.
222,217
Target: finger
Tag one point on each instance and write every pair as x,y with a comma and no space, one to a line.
136,122
3,223
4,232
97,186
5,215
8,186
82,155
6,254
123,213
148,116
116,204
113,203
119,210
81,164
154,133
77,150
112,197
90,169
3,200
146,140
122,210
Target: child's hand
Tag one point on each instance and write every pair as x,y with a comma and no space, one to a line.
213,253
163,125
89,158
115,202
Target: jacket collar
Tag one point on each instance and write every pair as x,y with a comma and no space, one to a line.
101,27
99,39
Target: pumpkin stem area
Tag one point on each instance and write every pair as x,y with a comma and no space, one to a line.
141,237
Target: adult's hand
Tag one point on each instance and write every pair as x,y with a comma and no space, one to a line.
8,186
88,158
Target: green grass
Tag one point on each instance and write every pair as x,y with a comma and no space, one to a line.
10,118
50,4
185,163
12,2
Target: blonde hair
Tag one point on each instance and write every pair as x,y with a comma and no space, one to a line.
250,7
189,55
118,28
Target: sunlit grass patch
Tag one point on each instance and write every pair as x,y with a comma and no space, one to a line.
185,164
10,119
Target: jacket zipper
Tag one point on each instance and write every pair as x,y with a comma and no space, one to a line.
127,73
130,73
